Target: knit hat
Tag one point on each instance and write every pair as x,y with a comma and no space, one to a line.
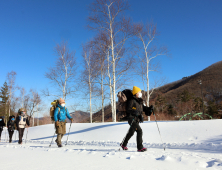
61,101
21,110
136,90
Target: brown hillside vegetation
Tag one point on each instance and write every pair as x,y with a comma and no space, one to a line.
211,78
175,99
79,116
184,96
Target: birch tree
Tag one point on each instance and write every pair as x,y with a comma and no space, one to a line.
35,101
89,73
107,16
147,34
22,96
100,53
62,75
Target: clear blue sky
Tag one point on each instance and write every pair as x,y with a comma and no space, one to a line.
29,31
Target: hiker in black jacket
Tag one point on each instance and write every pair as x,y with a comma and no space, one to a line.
135,109
2,124
11,127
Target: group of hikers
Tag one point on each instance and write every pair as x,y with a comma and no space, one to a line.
134,114
15,123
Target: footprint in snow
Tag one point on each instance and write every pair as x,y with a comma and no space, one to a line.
214,163
192,138
131,157
169,158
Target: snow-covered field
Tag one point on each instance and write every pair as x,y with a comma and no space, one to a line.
190,145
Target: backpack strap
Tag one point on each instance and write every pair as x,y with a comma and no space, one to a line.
59,111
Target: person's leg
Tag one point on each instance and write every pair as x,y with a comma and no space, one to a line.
130,133
10,135
59,139
139,136
0,133
63,126
21,132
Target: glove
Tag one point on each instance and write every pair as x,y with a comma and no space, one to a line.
57,123
71,120
149,110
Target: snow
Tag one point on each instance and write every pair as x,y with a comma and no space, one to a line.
190,145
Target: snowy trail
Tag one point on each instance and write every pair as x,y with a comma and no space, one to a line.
171,158
204,147
189,146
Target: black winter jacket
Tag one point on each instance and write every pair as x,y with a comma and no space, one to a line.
11,124
135,109
2,123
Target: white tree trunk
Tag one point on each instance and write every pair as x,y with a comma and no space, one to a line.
90,104
147,83
37,116
110,83
114,67
33,119
102,98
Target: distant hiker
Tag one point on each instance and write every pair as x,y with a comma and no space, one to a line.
60,114
134,110
21,122
2,124
11,127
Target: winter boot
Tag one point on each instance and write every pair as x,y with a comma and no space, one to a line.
60,146
123,147
142,150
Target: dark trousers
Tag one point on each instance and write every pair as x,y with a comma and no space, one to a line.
21,132
10,132
134,127
0,132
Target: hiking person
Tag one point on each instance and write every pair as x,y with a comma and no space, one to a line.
60,114
21,122
134,110
11,127
2,124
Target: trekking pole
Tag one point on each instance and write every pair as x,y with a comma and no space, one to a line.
52,139
5,135
26,135
68,134
126,134
159,131
15,134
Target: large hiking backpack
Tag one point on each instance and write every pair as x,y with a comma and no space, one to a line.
123,97
52,109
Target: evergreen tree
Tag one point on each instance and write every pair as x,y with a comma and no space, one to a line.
198,104
160,102
186,96
212,109
4,95
171,110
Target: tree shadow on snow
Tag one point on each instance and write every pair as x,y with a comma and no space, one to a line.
86,130
215,140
